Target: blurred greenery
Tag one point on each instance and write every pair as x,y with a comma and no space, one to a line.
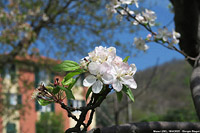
50,123
167,97
58,28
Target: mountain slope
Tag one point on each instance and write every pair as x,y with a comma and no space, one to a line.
163,94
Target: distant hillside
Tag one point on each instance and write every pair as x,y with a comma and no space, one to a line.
163,94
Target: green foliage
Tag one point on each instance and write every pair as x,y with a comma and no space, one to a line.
181,115
128,92
119,96
68,92
50,123
126,58
68,79
56,90
73,83
43,102
67,65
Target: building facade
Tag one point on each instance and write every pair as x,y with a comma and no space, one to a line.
19,113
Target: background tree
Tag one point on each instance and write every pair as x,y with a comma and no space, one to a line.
57,27
50,123
187,23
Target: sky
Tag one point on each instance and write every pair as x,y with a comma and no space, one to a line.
156,54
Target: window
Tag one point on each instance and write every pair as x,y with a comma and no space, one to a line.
47,108
9,72
13,99
42,75
11,128
80,80
76,104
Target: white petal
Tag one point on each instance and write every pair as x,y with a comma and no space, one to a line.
133,69
97,87
89,80
103,68
133,84
107,78
117,85
93,68
128,80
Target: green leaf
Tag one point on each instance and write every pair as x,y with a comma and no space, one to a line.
128,92
88,92
68,92
67,66
61,88
126,58
73,83
49,88
68,82
43,102
119,96
56,90
68,78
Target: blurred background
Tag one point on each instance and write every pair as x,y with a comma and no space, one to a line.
37,34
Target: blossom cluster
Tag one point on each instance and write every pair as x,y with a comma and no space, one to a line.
42,92
146,17
105,67
167,36
163,35
115,4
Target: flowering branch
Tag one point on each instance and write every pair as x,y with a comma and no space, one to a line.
146,19
105,72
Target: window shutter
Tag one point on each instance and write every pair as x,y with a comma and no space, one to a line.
11,128
37,106
83,103
36,77
3,72
7,95
19,99
13,72
52,77
52,107
70,103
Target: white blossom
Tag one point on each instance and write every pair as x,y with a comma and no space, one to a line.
126,11
147,17
101,54
163,34
45,17
170,37
98,76
140,44
129,2
123,74
175,36
139,18
84,62
114,4
111,7
105,67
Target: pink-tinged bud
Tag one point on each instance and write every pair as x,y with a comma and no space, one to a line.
56,82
